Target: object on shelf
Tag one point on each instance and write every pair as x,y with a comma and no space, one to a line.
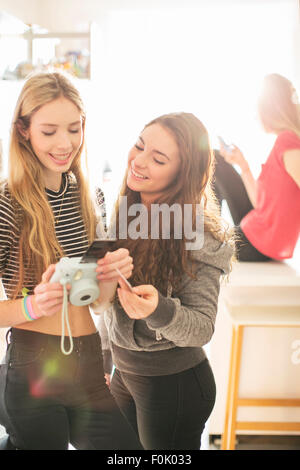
75,62
32,48
106,173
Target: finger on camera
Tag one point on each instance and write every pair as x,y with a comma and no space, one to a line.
111,276
115,256
50,296
117,273
122,266
119,261
46,276
41,288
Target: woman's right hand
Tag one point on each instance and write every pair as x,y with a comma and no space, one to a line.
48,297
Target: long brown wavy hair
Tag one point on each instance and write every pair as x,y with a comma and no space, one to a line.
38,246
278,105
163,261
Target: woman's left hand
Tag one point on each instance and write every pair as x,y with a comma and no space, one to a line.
140,302
234,157
120,259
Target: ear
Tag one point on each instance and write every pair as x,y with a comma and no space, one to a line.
21,129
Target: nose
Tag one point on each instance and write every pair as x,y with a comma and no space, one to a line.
141,159
64,141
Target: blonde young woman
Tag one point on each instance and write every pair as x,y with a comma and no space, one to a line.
266,212
48,399
162,381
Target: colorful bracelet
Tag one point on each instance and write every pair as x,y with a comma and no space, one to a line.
27,308
25,311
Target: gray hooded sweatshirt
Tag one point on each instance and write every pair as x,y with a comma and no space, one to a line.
170,340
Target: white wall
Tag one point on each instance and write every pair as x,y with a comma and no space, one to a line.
77,14
25,10
119,51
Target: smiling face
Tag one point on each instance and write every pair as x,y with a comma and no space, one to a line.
56,134
153,163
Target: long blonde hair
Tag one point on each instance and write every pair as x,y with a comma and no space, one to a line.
160,261
38,246
278,105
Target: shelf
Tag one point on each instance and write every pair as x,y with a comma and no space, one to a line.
36,49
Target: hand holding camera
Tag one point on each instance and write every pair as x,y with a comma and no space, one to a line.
98,265
81,281
81,277
115,264
48,297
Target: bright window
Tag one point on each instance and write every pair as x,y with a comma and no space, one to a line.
208,60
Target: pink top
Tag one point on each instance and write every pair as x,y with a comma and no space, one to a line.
273,227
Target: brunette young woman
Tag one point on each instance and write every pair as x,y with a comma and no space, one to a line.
49,399
162,380
266,211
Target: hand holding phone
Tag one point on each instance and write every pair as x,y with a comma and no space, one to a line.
226,147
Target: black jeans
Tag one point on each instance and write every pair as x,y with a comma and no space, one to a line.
170,411
48,400
228,185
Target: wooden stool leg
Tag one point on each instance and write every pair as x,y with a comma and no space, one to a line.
235,385
224,444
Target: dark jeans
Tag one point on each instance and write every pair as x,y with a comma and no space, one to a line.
48,400
170,411
228,185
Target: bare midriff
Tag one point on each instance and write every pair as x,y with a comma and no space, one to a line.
80,319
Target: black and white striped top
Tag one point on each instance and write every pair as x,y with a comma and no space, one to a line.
70,231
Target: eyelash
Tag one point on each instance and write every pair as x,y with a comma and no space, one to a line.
156,161
52,133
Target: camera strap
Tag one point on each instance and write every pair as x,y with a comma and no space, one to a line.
65,321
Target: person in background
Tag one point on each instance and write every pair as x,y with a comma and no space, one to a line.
162,380
266,212
49,399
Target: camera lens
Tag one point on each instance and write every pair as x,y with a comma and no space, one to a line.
85,297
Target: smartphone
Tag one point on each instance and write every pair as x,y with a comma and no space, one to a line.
223,143
98,249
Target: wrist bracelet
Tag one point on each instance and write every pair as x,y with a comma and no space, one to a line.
30,309
27,309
